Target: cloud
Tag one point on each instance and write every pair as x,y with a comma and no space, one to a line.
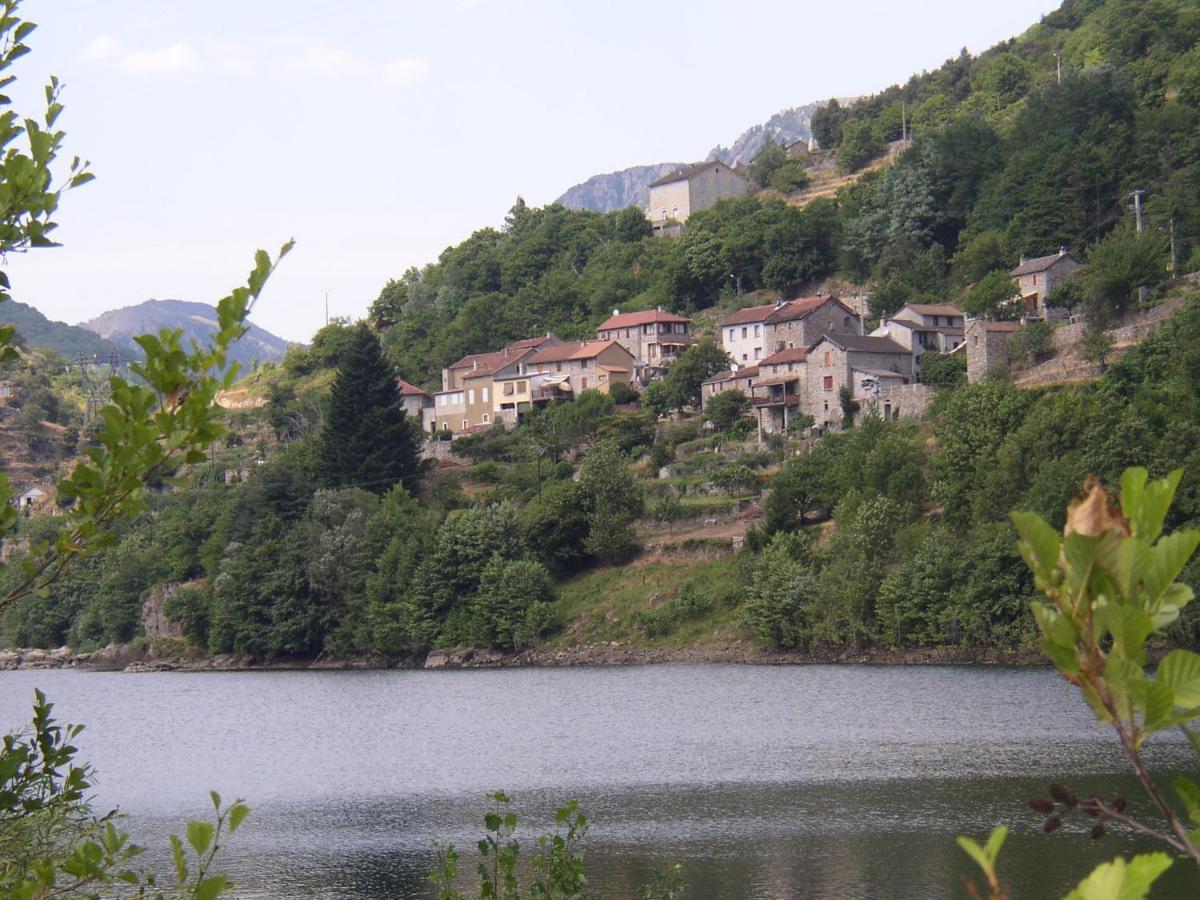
173,60
284,54
403,72
100,49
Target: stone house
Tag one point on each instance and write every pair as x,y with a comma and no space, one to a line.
924,328
853,361
756,332
777,394
654,338
677,195
417,404
571,368
1035,279
987,347
740,379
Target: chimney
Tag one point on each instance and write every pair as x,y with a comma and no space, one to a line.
1062,250
658,308
616,312
474,364
1024,259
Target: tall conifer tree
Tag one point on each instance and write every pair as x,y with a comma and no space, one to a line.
367,441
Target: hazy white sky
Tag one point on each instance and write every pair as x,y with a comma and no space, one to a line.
379,132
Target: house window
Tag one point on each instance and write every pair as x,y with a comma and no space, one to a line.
743,331
464,424
522,386
674,212
828,382
756,330
758,352
789,367
558,367
485,395
827,357
508,389
647,329
731,334
583,383
471,395
744,357
486,418
626,334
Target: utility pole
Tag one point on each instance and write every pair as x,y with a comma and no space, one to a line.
1143,291
1137,209
1173,263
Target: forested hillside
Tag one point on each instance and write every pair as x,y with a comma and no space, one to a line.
315,531
68,341
1005,160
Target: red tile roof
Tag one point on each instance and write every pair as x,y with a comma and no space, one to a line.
790,355
645,317
577,350
782,312
409,390
731,375
689,171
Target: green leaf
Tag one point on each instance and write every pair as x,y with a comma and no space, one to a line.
995,841
1181,671
216,799
1189,793
199,835
211,888
1121,880
237,815
1042,540
977,853
181,871
1167,559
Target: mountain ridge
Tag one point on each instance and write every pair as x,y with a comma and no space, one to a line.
630,186
198,321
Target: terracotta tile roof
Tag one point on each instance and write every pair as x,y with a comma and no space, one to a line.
409,390
802,307
575,350
1039,264
514,351
790,355
487,364
782,312
690,171
782,379
934,309
864,343
749,314
645,317
730,375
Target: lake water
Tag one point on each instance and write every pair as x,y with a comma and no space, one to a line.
790,781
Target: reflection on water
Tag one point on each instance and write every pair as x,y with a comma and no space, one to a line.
764,781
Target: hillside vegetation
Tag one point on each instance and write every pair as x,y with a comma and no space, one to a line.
314,531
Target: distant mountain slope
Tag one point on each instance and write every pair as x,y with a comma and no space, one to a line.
616,190
197,320
69,341
785,127
629,187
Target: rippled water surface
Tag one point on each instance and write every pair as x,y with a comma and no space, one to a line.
798,781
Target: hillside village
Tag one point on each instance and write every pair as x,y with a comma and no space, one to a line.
787,405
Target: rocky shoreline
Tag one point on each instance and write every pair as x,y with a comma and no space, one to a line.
127,658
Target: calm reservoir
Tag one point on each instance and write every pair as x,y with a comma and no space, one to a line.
790,781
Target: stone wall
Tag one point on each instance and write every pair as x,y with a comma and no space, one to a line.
905,401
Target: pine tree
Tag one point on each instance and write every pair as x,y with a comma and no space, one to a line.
367,440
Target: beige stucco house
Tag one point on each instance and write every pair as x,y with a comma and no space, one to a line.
924,328
417,404
573,367
674,197
467,398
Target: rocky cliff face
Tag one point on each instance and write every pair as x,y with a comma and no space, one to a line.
616,190
785,127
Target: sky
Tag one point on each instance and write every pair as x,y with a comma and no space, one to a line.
379,132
